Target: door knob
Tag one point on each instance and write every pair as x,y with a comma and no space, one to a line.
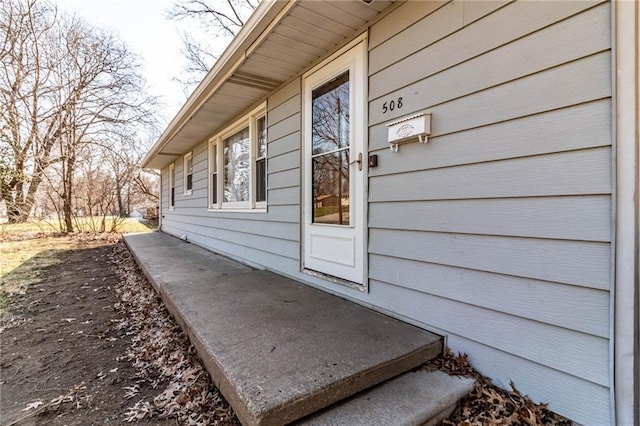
358,161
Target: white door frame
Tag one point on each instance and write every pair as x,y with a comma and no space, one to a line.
346,263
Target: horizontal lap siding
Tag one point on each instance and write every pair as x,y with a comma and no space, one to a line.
564,390
497,232
268,239
535,217
582,308
574,127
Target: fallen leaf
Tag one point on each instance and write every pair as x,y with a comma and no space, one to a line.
33,405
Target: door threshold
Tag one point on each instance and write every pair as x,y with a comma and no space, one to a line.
336,280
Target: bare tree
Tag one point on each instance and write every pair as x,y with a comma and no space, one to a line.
29,125
65,87
9,174
105,188
147,182
101,79
219,21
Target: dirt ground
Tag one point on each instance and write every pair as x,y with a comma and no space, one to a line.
62,356
85,340
70,346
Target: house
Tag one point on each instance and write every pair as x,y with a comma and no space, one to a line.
512,229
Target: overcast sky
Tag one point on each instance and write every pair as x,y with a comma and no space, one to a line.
142,25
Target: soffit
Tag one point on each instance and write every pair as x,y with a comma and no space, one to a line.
288,38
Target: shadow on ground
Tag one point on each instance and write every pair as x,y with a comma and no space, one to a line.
61,351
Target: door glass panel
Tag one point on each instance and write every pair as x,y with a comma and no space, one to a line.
331,188
330,115
330,152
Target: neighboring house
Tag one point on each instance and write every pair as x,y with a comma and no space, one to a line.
513,231
136,214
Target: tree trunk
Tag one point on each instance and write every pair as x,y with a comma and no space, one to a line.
18,208
13,212
68,223
128,212
119,198
68,192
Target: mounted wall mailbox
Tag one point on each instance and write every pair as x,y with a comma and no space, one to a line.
409,129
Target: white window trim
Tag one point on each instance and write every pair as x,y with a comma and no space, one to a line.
250,119
172,186
188,156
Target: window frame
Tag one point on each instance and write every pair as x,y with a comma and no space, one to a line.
188,157
172,186
216,164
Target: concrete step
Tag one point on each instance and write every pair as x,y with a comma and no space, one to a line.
278,350
412,399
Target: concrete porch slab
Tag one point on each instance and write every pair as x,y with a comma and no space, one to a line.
277,349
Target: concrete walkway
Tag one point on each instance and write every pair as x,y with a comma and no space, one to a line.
277,349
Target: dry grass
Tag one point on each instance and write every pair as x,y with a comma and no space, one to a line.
28,249
83,224
24,261
34,255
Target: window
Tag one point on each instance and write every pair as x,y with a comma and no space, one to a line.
237,178
188,173
240,154
213,174
172,186
261,160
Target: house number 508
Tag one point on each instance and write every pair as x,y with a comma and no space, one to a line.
391,105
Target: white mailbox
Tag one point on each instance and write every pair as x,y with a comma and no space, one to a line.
408,129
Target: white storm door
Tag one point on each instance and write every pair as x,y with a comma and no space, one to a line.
334,168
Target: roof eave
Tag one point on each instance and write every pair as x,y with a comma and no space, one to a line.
235,52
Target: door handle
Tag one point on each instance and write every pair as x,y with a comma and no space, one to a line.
357,161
